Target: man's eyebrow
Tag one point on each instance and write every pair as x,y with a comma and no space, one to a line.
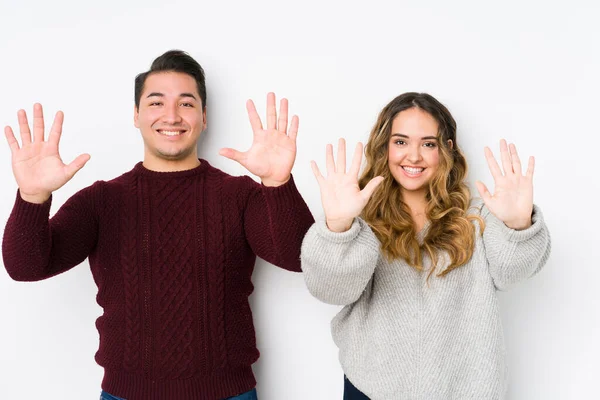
188,95
158,94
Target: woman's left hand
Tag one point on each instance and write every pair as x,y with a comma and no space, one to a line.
512,200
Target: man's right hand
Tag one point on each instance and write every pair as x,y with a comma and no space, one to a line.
36,164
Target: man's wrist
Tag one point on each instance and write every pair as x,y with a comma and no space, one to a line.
273,182
35,198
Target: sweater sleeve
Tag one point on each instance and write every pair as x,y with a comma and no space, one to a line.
338,266
275,222
512,255
36,247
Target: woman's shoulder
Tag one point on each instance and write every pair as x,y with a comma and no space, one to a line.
477,207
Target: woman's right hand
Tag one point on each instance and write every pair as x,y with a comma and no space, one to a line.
36,164
340,194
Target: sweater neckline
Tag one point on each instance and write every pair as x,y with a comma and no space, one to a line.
423,232
143,171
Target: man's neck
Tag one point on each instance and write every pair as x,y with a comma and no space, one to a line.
170,166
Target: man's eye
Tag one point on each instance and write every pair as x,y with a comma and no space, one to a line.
187,104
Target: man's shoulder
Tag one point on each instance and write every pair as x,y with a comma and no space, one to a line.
230,181
102,187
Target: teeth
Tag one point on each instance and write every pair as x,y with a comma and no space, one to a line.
413,171
170,133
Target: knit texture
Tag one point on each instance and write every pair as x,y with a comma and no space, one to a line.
403,337
172,254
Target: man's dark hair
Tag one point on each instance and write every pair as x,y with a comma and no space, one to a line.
173,61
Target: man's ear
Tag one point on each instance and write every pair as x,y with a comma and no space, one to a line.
450,143
204,124
136,115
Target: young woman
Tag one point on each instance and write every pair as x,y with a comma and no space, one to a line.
416,262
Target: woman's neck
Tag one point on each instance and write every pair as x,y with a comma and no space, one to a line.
417,203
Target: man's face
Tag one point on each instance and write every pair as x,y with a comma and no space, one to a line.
171,118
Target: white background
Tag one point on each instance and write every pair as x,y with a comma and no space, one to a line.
527,71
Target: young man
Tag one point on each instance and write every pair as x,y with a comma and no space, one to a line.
171,243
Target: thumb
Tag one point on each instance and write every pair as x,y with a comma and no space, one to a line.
316,172
76,165
233,154
369,189
483,192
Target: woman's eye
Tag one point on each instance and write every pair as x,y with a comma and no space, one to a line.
429,144
399,142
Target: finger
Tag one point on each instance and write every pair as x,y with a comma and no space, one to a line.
271,111
233,154
356,160
370,188
341,156
24,127
12,141
493,164
283,116
516,161
329,160
530,167
316,172
294,127
56,129
38,123
76,165
505,157
255,121
484,192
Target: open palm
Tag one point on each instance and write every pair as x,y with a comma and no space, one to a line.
512,200
37,166
273,151
341,196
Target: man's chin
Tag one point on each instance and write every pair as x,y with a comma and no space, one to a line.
175,155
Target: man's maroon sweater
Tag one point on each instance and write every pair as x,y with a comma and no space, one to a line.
172,254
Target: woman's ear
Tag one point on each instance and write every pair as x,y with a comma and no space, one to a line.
450,143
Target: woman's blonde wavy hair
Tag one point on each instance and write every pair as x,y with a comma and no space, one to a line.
450,226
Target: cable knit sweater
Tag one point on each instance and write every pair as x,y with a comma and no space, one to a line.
401,337
172,254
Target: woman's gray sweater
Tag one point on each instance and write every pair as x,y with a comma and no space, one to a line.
403,337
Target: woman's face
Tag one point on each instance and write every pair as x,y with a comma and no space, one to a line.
413,155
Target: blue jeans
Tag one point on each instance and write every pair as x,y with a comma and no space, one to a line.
108,396
351,392
251,395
